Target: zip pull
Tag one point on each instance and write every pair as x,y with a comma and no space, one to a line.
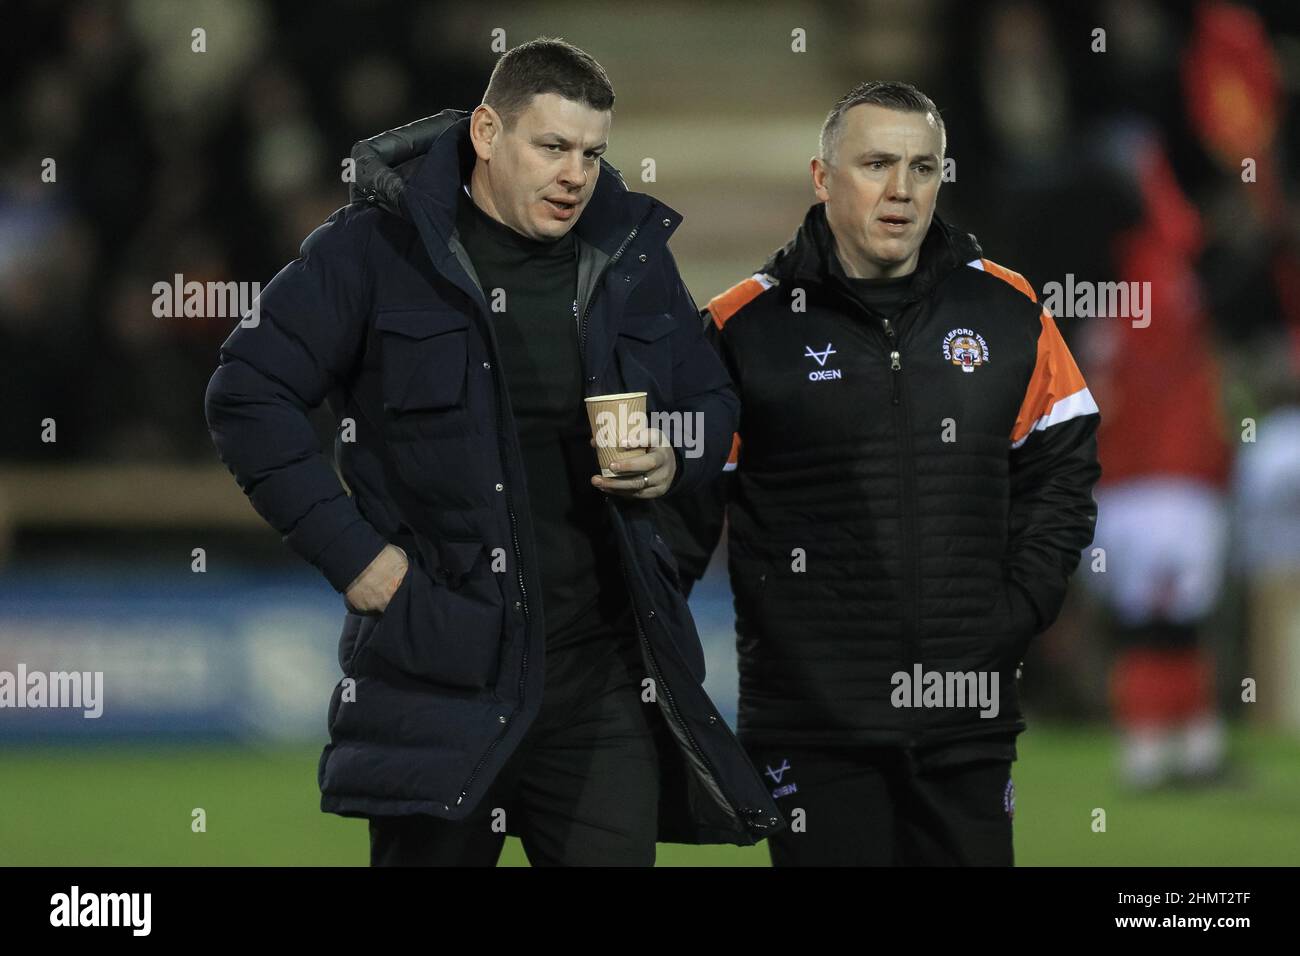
895,366
894,363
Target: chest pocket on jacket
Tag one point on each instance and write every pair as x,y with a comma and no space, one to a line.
423,356
645,355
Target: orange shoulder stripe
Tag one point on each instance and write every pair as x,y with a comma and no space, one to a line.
1057,391
733,459
1008,276
723,306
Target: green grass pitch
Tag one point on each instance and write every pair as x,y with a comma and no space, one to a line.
131,805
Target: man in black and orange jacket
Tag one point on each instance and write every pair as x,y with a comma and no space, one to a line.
910,489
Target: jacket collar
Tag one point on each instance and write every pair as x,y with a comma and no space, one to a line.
433,180
809,257
616,222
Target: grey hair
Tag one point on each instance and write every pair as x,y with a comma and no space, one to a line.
891,94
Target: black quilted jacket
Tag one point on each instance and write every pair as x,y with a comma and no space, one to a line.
904,491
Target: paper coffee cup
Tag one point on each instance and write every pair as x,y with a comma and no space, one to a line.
614,418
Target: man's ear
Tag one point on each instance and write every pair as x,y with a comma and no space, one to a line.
484,127
820,172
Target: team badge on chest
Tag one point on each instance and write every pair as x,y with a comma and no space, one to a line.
966,349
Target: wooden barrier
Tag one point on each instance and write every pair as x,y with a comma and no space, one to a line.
133,496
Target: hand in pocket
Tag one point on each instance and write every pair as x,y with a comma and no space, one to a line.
375,586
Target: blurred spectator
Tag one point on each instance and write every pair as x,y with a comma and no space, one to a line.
1162,521
1267,546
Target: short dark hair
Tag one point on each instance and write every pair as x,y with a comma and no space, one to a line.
546,65
891,94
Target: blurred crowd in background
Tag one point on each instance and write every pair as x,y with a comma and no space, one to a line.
1127,163
214,165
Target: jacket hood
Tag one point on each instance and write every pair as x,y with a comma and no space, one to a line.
809,257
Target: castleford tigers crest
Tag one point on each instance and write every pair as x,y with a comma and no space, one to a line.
965,348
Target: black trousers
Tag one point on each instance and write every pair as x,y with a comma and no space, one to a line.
877,807
582,789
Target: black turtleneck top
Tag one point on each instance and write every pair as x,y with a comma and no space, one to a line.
583,593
